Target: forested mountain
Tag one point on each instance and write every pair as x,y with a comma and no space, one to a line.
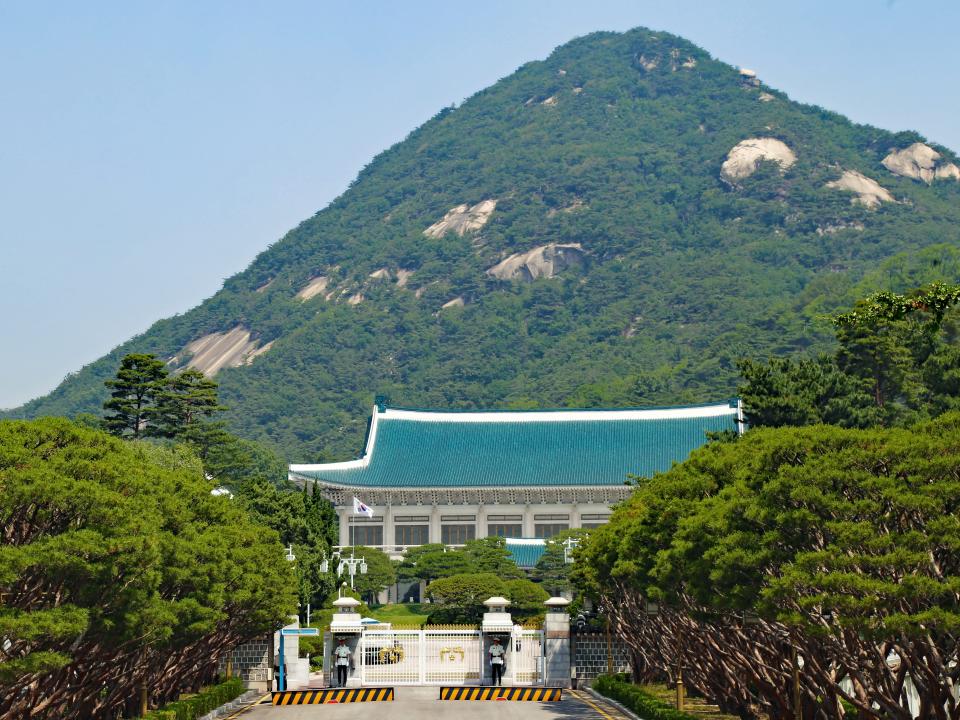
614,225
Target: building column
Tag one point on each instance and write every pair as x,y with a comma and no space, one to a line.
388,532
344,525
434,524
528,522
481,521
574,516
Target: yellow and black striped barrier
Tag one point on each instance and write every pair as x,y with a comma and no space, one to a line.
538,694
332,696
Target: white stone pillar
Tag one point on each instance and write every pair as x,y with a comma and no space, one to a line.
434,523
344,515
528,522
388,529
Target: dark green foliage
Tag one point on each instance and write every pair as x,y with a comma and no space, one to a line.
133,396
305,521
846,542
119,567
381,572
683,274
205,701
635,698
552,570
185,403
459,598
897,362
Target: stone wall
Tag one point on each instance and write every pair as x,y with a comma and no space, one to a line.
251,662
589,655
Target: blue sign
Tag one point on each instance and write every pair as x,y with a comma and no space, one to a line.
300,631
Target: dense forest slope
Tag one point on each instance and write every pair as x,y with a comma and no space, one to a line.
614,225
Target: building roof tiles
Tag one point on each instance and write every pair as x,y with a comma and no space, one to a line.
444,449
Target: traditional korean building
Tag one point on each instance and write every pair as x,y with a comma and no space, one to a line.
442,476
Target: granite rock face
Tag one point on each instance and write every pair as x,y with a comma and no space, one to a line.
543,261
920,162
462,219
868,191
745,157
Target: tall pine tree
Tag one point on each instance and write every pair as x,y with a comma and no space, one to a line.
133,395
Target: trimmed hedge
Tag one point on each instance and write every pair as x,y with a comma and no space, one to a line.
195,706
637,699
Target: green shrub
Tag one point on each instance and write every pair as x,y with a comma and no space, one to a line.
637,699
194,706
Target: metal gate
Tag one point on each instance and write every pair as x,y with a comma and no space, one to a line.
444,656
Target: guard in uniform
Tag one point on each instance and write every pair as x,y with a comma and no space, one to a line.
497,659
341,659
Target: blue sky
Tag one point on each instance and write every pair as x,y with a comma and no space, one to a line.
150,150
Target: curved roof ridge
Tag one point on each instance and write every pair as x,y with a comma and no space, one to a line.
728,402
559,414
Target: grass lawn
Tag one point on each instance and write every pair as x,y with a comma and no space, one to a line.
401,613
695,706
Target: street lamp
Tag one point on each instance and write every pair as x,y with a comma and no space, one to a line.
568,545
350,565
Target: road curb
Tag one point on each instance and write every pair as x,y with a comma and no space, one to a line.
599,696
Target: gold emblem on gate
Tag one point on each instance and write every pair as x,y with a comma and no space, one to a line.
390,655
450,653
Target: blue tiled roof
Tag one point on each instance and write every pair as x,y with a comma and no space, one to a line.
526,553
429,449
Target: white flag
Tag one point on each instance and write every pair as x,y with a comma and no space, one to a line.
360,509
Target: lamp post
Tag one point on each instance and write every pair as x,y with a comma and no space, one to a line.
281,678
568,545
351,565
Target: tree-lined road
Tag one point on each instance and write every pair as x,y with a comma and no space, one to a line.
421,702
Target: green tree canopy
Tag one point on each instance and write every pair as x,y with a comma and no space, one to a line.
897,362
845,541
131,407
381,572
118,568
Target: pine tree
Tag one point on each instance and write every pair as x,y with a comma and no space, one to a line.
187,400
133,395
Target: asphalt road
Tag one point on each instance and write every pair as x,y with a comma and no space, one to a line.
414,703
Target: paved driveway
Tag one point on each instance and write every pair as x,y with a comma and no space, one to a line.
414,703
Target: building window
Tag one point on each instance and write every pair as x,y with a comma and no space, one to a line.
457,518
412,534
551,516
505,518
593,520
457,534
548,530
591,525
504,530
366,535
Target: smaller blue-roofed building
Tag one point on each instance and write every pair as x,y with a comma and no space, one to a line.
441,476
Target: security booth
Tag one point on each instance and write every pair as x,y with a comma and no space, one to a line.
347,625
497,623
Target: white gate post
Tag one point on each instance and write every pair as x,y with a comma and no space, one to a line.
422,655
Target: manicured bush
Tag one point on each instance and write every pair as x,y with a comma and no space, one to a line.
635,698
194,706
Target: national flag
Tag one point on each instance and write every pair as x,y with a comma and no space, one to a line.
360,509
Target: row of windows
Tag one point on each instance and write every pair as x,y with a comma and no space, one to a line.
454,534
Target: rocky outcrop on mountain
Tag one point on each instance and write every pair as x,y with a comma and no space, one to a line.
403,276
211,353
745,157
920,162
868,191
544,261
381,274
456,302
313,288
462,219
